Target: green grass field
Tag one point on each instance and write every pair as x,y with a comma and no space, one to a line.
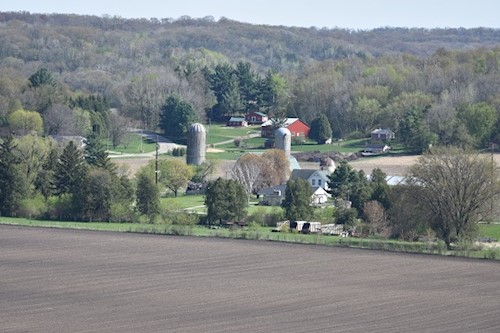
136,143
489,231
220,133
349,146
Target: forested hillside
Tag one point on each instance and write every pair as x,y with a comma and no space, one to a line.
430,86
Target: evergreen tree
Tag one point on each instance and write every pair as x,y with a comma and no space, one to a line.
12,184
92,200
297,201
41,77
176,116
248,84
360,190
340,181
321,131
413,131
380,189
226,200
95,153
70,170
147,195
45,178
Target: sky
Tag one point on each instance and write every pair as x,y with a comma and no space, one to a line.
350,14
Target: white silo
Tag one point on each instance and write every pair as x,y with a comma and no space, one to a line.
196,144
327,164
283,140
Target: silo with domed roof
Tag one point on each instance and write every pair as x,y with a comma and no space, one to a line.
196,144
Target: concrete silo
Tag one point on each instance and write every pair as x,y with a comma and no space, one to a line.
283,140
196,144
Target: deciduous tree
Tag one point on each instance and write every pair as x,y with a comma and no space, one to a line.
23,122
247,171
173,174
458,187
32,152
276,168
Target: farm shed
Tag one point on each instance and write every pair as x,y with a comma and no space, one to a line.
237,122
256,118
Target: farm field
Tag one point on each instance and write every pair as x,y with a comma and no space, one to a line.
76,281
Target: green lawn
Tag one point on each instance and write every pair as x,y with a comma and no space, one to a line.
489,231
350,146
219,133
254,145
251,143
136,143
184,201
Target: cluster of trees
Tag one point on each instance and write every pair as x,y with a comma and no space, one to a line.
255,172
240,89
430,87
40,181
448,191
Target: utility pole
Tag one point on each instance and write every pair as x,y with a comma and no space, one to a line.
156,167
492,182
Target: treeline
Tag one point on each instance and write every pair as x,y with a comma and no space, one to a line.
429,86
40,178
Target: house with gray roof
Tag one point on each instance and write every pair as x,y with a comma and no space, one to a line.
315,178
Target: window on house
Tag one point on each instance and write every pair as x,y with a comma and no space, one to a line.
319,182
313,182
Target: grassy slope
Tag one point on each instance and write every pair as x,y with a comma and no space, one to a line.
134,147
220,133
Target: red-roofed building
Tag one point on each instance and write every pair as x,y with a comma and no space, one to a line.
296,126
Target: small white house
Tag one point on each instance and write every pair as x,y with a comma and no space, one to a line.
315,178
320,196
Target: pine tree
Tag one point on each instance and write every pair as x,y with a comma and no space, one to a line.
70,170
147,194
95,153
226,200
12,183
297,201
321,131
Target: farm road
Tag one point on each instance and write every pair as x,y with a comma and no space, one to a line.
55,280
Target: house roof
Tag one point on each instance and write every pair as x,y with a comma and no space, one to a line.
287,123
239,119
320,191
307,173
272,190
382,131
262,114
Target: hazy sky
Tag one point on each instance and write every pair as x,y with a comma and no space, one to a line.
354,14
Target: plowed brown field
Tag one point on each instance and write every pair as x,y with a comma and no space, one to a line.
81,281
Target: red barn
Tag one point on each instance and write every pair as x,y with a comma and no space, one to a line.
256,118
296,126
